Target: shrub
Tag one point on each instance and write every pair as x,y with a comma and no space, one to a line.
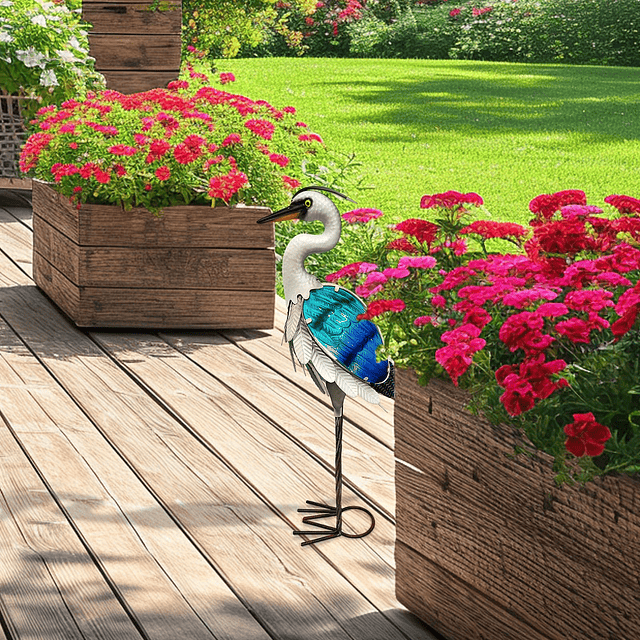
44,52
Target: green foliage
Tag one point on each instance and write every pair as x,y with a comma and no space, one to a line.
223,28
44,53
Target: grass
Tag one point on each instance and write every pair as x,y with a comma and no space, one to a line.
507,131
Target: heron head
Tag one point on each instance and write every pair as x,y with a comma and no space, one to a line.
308,204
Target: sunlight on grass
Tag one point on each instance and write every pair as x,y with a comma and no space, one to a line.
506,131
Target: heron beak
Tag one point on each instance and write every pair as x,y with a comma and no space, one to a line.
291,212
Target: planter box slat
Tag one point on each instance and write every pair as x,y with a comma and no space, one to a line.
109,268
136,267
135,52
154,308
502,527
131,17
429,591
180,226
128,82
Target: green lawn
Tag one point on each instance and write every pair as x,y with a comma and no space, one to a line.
507,131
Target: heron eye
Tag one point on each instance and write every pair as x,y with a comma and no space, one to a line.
308,203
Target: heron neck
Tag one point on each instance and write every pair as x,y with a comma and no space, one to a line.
295,278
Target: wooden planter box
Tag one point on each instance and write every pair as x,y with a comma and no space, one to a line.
487,547
136,47
194,268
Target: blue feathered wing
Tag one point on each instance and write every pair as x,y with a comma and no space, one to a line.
333,312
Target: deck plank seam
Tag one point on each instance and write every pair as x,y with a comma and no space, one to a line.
306,388
326,465
94,557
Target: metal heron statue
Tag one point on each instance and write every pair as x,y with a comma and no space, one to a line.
327,339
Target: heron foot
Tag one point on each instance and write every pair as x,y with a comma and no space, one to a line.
326,531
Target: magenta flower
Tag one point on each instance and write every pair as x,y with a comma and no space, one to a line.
417,262
361,215
396,273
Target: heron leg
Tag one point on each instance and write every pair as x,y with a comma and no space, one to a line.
324,510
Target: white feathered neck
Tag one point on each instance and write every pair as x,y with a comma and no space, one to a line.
295,278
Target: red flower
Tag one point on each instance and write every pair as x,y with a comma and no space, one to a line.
402,244
545,205
489,229
279,159
225,78
624,204
185,154
449,200
563,236
163,173
290,183
454,12
378,307
122,150
262,128
585,435
421,230
226,186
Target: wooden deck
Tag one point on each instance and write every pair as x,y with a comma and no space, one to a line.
149,483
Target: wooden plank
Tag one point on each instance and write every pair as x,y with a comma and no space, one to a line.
15,183
146,555
132,17
15,241
243,537
499,524
154,308
267,347
180,226
76,596
135,51
152,268
367,464
260,453
431,592
128,82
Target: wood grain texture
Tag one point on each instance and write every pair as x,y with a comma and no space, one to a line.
108,268
47,549
16,240
135,81
181,226
132,18
154,566
156,267
120,52
499,524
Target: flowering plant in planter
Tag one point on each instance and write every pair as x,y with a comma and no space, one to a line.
189,143
546,337
44,52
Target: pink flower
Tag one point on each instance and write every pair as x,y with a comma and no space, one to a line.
233,138
624,204
585,435
225,78
454,12
351,271
417,262
576,329
373,284
552,309
421,321
361,215
489,229
450,199
589,299
290,183
438,302
224,187
526,297
396,273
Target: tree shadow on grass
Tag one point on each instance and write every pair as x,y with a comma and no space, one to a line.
602,102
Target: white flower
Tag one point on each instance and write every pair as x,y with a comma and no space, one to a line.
5,37
6,3
31,58
40,20
66,56
48,78
73,42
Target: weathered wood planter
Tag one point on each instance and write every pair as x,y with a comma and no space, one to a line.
487,547
194,268
136,43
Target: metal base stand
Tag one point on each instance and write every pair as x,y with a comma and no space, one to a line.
321,511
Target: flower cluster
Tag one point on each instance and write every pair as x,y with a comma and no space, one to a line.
44,52
550,331
191,142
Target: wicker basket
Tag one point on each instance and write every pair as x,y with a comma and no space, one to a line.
12,137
